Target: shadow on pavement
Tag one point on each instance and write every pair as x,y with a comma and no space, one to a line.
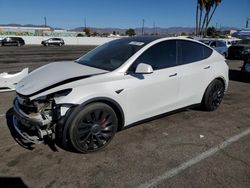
12,182
14,134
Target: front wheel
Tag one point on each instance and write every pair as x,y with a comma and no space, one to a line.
213,95
92,127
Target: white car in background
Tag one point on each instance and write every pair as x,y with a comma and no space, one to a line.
219,45
115,85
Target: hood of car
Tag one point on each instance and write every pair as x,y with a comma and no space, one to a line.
54,75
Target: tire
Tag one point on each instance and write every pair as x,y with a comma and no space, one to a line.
18,44
60,44
213,95
92,127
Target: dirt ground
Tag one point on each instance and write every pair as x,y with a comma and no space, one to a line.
138,154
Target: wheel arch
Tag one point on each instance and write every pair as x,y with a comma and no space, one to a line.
112,103
220,78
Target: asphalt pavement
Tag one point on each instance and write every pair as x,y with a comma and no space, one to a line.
191,148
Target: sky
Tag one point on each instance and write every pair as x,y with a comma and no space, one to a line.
119,13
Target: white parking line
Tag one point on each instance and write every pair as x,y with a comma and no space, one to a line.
175,171
2,115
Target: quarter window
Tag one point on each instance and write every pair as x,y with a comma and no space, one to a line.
189,52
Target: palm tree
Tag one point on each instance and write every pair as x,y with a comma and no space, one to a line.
216,3
207,5
199,14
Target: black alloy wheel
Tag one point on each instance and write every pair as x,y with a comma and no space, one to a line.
93,127
214,95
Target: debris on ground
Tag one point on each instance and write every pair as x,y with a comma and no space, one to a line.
8,81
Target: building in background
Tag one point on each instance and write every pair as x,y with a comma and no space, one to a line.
242,34
37,31
23,31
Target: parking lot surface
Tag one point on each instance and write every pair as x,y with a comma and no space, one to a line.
140,155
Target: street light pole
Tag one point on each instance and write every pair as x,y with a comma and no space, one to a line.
45,21
142,30
247,22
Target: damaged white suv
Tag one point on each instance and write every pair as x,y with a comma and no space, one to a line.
115,85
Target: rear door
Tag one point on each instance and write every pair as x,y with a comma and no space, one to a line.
194,72
153,94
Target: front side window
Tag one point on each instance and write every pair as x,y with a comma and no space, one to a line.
161,55
189,52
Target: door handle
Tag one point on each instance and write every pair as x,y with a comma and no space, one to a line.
208,67
172,75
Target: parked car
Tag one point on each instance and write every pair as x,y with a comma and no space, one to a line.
53,41
218,45
246,64
12,41
239,49
115,85
228,43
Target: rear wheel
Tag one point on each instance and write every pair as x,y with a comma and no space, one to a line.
213,95
92,127
18,44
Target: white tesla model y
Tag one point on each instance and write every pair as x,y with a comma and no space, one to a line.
84,102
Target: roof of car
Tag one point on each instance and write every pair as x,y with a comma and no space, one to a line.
144,39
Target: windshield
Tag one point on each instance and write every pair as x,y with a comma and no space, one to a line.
113,54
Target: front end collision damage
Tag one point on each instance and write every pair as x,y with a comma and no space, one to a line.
35,120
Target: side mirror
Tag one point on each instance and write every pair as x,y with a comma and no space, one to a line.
143,68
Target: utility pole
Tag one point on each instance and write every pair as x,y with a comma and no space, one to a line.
45,21
247,22
142,29
154,29
85,23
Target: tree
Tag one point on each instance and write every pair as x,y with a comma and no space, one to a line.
80,35
203,20
114,33
130,32
87,31
211,31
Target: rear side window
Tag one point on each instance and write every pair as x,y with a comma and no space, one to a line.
161,55
189,52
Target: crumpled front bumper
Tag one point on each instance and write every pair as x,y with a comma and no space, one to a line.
29,127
